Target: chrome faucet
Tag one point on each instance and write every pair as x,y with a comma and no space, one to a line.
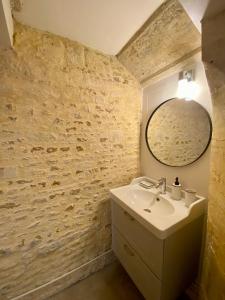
162,185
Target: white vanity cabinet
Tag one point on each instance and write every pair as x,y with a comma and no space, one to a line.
160,268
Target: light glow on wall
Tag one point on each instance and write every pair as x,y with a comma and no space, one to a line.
188,89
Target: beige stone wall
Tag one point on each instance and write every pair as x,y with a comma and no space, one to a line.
167,38
69,132
213,278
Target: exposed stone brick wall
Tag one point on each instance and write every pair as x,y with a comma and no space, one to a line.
213,279
69,132
167,38
213,47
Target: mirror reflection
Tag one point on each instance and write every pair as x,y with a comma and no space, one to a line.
178,132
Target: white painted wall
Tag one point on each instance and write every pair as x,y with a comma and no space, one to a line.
6,24
195,9
195,175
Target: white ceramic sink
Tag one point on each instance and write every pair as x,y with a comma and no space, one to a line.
157,212
149,202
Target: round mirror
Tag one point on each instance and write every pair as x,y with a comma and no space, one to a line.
178,132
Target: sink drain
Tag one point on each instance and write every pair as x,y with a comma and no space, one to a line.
148,210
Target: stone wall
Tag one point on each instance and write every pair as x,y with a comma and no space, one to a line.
213,278
69,132
166,39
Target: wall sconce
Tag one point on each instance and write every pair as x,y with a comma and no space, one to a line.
187,87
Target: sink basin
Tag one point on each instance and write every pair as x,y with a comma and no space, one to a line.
157,212
149,202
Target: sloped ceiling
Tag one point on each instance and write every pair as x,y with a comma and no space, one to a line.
168,37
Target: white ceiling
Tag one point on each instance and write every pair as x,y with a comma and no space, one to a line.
196,10
105,25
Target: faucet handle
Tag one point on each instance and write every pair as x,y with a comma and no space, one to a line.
162,185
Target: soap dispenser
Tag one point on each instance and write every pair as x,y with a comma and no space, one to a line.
176,190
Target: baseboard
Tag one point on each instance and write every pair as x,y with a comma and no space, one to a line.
58,284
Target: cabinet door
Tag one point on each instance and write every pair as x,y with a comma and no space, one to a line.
149,247
145,280
181,259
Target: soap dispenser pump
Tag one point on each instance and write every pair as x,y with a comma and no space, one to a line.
176,181
176,190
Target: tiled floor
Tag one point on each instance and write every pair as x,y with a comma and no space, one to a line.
111,283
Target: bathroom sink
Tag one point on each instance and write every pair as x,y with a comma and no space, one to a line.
149,202
157,212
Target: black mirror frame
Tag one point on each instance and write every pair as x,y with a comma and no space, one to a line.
146,135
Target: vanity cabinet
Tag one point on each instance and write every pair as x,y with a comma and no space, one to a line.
149,247
161,268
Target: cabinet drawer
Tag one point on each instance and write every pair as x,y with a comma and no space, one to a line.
149,248
144,279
